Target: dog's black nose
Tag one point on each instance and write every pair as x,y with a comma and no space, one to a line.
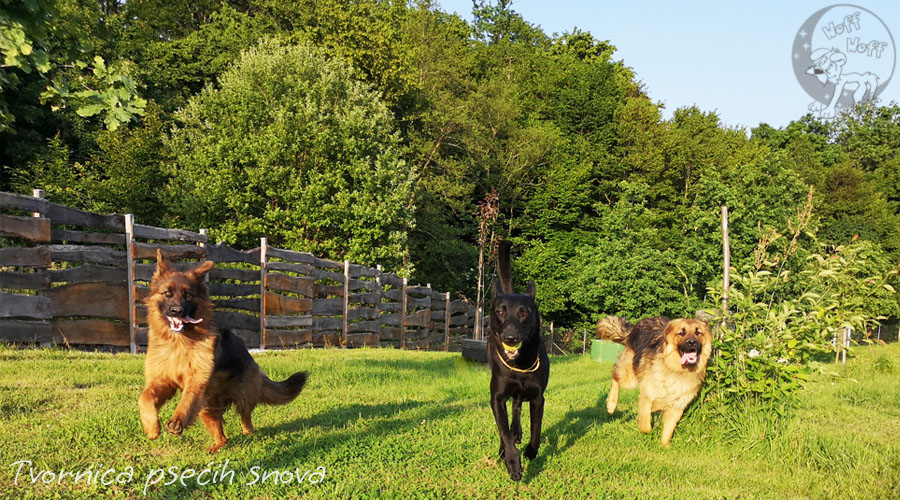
692,343
510,340
176,311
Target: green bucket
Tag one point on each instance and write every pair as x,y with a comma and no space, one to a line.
604,350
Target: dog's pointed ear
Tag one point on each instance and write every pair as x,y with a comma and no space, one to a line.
200,271
670,327
504,274
163,265
531,291
495,286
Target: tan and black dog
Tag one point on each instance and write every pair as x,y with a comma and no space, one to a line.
212,368
665,359
519,364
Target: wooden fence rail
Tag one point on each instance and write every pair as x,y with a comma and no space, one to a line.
79,278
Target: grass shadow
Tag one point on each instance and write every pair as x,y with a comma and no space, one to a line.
350,423
565,433
353,423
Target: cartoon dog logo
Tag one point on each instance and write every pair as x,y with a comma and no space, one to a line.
828,68
842,55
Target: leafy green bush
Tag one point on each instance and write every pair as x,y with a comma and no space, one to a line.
763,351
289,146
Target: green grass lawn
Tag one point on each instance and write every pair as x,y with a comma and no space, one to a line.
391,424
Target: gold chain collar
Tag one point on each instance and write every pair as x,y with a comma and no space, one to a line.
534,367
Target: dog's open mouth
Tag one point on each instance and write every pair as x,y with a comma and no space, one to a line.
689,356
511,347
177,324
512,350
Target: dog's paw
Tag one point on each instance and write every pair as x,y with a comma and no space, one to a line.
174,426
151,435
517,435
610,407
530,452
514,466
215,448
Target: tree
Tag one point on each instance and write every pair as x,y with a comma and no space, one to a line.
37,37
123,172
290,147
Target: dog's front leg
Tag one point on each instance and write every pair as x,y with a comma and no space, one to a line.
645,408
508,450
192,400
515,427
149,402
537,414
670,418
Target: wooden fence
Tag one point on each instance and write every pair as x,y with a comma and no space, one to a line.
78,278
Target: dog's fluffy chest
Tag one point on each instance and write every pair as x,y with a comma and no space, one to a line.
670,389
181,356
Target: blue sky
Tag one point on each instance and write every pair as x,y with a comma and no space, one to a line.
729,57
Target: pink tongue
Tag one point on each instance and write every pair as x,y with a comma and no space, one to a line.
689,357
177,324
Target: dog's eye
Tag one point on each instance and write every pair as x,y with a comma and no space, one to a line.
501,312
168,294
187,294
681,332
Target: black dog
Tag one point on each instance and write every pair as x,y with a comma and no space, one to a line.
520,368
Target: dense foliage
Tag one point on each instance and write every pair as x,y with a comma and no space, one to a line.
308,157
779,321
370,130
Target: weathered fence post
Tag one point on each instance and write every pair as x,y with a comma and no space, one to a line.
39,194
262,293
447,321
129,263
726,250
346,302
403,304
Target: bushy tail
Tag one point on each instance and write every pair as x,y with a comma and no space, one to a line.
614,328
279,393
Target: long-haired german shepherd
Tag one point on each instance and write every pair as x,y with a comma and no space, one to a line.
665,359
212,368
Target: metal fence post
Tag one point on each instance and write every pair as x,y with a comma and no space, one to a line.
39,194
380,297
262,293
345,326
403,305
447,321
129,262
